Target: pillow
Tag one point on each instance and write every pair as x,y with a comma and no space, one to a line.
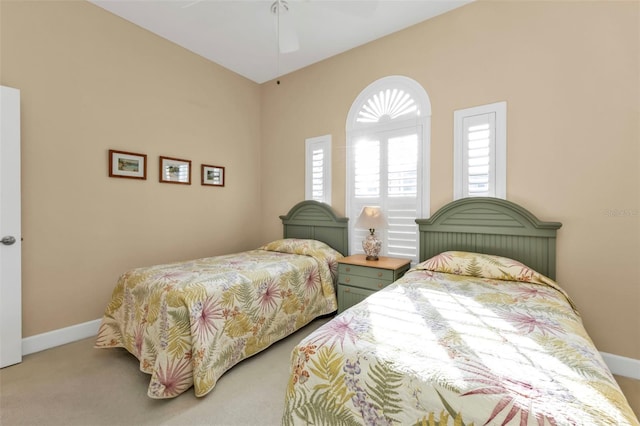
488,266
301,246
482,266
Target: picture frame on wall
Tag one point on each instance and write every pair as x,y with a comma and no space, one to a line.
131,165
175,170
212,175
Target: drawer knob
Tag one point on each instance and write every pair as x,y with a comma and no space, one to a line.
348,269
380,285
346,290
379,274
348,279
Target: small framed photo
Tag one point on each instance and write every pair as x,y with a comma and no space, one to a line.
175,170
127,164
212,175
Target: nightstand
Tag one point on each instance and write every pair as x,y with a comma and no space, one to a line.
359,278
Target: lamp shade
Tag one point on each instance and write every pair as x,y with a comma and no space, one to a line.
371,218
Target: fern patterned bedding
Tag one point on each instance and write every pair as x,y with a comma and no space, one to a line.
189,322
461,339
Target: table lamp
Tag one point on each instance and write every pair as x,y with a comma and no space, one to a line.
371,218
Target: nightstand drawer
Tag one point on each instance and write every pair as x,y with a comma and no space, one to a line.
374,284
349,296
365,271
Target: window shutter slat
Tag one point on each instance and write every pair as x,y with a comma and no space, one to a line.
479,155
318,169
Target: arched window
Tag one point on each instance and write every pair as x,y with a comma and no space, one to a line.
388,140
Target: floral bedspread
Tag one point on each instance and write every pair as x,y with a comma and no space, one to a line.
461,339
189,322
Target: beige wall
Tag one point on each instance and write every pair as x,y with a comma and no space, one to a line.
569,72
91,82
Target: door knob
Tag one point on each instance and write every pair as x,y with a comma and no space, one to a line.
7,241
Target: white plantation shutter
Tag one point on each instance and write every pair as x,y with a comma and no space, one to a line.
367,169
318,169
317,174
387,154
366,186
479,155
480,151
385,175
402,201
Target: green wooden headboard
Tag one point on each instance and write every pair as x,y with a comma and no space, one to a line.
492,226
318,221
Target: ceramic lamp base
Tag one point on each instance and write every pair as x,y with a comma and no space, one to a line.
371,246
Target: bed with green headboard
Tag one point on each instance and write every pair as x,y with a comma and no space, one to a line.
491,226
476,333
315,220
188,322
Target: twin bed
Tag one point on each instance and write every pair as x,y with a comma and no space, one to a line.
477,333
189,322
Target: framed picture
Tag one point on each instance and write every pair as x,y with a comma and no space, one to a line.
175,170
127,164
212,175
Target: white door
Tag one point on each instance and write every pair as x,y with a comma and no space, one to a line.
10,232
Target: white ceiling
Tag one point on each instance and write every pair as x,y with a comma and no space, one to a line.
241,35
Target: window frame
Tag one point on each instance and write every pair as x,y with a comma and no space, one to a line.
460,184
311,145
420,124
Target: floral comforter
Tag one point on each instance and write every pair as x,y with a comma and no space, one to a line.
189,322
461,339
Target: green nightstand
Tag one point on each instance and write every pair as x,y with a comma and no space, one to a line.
359,278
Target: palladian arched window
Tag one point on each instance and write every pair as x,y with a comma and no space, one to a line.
388,140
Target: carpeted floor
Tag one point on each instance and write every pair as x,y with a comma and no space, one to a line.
78,385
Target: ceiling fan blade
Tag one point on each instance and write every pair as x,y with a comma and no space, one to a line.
285,27
288,37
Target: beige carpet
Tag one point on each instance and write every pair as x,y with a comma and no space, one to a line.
78,385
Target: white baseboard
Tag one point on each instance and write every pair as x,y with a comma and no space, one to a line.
619,365
59,337
622,366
